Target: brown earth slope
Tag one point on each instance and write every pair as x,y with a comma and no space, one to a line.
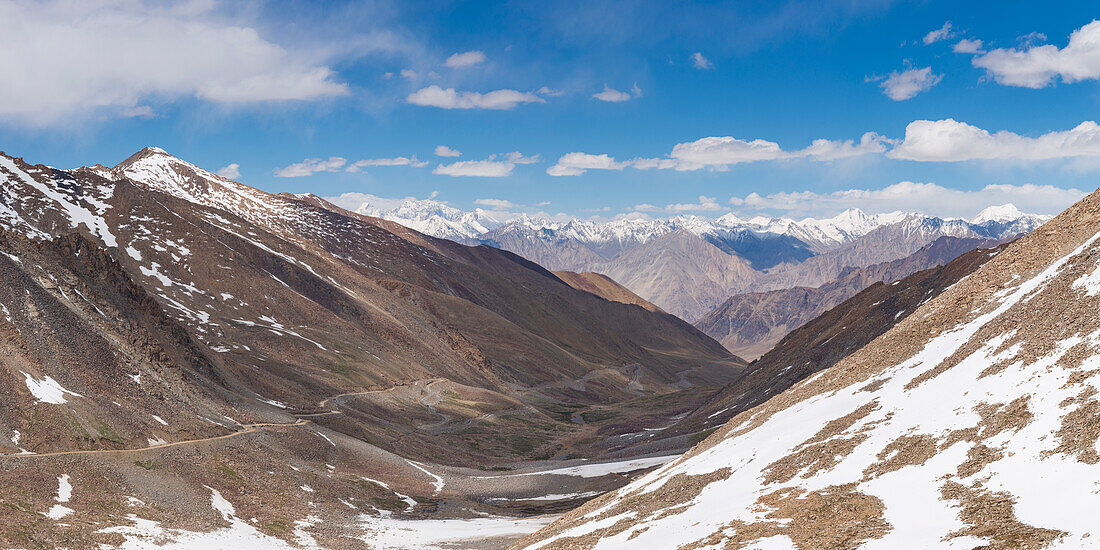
605,287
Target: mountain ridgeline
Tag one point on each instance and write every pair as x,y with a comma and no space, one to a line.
689,265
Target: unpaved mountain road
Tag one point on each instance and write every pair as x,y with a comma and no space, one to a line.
245,429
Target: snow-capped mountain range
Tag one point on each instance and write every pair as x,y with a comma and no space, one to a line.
442,220
690,264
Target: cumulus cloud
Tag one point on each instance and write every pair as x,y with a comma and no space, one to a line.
359,165
943,33
699,61
465,59
409,74
311,166
967,45
949,140
908,196
615,96
444,151
1039,66
64,59
906,84
434,96
233,171
477,168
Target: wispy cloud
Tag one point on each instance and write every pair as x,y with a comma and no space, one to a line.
465,59
359,165
615,96
311,166
908,196
496,166
476,168
449,98
903,85
943,33
705,204
720,152
699,61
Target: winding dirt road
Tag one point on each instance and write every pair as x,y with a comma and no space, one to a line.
245,429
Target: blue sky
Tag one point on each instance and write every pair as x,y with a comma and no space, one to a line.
269,85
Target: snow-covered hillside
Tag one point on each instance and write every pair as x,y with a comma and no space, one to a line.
972,423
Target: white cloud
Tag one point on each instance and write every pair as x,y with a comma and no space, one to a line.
358,165
720,152
409,74
499,204
444,151
943,33
64,59
906,84
515,157
488,168
311,166
723,151
705,204
951,141
548,91
615,96
576,163
465,59
477,168
434,96
908,196
233,171
967,45
700,61
1038,66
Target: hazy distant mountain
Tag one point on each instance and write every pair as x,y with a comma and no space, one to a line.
750,324
688,265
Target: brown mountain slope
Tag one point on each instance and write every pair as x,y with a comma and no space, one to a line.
750,324
301,302
832,336
603,286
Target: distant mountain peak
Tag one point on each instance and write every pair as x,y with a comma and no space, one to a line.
1003,213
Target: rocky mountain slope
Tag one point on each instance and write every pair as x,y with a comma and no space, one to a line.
179,339
971,423
835,334
688,265
750,324
604,287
